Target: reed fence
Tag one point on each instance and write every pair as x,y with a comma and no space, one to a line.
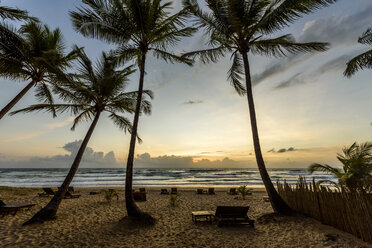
349,212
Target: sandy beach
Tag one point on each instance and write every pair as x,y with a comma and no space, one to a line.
91,221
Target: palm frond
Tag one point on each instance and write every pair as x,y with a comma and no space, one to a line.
360,62
208,55
169,57
235,74
324,168
282,45
366,37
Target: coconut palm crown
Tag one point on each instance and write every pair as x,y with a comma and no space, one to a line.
137,27
86,94
364,60
33,53
239,27
356,172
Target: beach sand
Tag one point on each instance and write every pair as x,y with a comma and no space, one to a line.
91,221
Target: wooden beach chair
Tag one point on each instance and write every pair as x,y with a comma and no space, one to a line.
68,195
164,192
173,191
211,191
233,215
139,196
47,192
232,191
12,208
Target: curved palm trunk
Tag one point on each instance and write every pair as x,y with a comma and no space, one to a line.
277,202
16,99
49,212
132,209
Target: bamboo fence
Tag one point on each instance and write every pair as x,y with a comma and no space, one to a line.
351,213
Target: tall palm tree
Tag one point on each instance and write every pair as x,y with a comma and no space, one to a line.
363,60
137,27
32,53
93,90
242,26
356,173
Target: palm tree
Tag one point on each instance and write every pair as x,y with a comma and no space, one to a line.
242,26
137,27
356,173
87,94
363,60
32,53
14,14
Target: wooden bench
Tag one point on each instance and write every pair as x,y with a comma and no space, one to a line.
139,196
233,215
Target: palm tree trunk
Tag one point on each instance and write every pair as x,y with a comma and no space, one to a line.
18,97
277,202
132,209
49,212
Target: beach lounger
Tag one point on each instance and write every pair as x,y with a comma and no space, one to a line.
12,208
233,215
173,191
143,190
211,191
232,191
47,192
139,196
199,191
68,195
164,192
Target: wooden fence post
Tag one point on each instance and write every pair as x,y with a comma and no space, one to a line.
317,199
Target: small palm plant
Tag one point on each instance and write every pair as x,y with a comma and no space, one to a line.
240,27
138,28
87,94
109,194
173,199
364,60
243,190
356,172
32,53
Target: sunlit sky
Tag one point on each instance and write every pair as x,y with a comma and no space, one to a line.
303,103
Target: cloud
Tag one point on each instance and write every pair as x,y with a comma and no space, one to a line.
91,159
337,64
339,31
193,102
171,161
282,150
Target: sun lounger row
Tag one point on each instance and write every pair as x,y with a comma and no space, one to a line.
51,192
166,192
210,191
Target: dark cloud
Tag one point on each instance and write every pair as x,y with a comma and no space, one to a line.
282,150
91,159
193,102
339,30
337,64
294,80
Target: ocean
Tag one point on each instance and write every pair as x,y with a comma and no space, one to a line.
152,177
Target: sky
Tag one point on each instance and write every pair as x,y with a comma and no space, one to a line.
307,111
